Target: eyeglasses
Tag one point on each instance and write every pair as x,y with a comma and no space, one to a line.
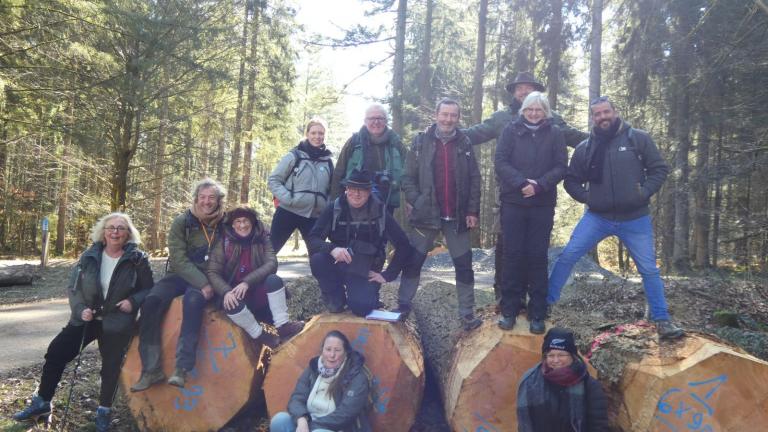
533,110
376,119
118,228
599,99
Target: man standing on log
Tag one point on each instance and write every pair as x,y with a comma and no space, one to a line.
377,149
442,188
189,244
615,172
357,226
491,128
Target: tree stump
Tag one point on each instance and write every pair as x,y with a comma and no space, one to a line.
694,384
392,353
228,373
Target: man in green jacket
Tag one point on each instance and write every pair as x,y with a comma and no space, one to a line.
189,244
442,190
491,128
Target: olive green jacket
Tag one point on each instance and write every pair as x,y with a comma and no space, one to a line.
188,248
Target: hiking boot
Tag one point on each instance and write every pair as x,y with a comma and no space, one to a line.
268,340
404,310
148,379
507,322
103,419
537,326
179,377
289,330
469,322
335,308
37,408
667,330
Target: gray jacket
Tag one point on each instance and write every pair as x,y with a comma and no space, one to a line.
302,188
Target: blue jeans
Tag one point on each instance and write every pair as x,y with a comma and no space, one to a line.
282,422
636,234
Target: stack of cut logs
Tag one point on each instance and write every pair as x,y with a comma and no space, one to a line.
693,384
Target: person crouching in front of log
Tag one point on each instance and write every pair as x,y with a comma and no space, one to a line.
531,159
332,394
558,394
190,239
354,226
241,271
107,286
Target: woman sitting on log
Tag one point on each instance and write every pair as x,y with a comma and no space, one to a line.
332,394
558,394
107,286
301,182
242,270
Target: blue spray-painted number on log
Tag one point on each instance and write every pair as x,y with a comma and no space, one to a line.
694,411
190,398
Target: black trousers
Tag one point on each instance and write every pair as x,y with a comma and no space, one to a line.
66,346
284,222
152,314
361,295
527,233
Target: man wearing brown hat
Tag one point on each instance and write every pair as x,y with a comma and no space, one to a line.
523,85
346,244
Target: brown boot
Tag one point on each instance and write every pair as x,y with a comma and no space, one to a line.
268,340
147,380
290,329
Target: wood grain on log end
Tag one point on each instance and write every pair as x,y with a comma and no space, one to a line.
694,384
392,354
228,373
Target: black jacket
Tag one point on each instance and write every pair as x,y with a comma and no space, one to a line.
334,225
351,397
131,279
632,172
419,181
525,154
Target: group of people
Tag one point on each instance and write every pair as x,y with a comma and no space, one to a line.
345,215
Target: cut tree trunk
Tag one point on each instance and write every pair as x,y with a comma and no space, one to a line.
696,383
479,371
228,374
16,276
392,354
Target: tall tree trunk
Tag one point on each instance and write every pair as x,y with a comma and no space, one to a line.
63,201
234,164
717,204
398,76
425,61
682,58
555,41
498,85
595,54
252,72
157,174
477,77
702,212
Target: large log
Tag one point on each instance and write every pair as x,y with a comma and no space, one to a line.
229,372
479,371
16,275
392,354
696,383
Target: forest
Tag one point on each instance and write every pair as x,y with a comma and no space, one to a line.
122,104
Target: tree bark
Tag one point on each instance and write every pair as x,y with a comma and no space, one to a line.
61,221
555,41
477,78
702,211
157,174
398,76
595,54
425,61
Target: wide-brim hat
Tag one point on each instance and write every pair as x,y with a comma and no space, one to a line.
525,78
360,179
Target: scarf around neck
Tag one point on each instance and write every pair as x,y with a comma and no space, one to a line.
313,152
565,376
210,220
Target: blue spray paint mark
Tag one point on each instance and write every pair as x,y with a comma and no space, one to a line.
693,412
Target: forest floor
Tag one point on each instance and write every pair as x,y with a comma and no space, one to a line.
731,307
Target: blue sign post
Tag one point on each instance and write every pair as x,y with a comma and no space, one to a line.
44,254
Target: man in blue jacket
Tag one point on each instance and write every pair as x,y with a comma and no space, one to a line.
615,172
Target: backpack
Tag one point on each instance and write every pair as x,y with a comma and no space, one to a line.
297,158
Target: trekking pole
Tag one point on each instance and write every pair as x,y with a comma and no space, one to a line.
74,372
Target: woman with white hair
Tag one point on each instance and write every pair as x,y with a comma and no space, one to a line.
531,160
106,288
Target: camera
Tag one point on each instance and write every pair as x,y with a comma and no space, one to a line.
382,178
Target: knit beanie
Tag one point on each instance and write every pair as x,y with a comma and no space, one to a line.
561,339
